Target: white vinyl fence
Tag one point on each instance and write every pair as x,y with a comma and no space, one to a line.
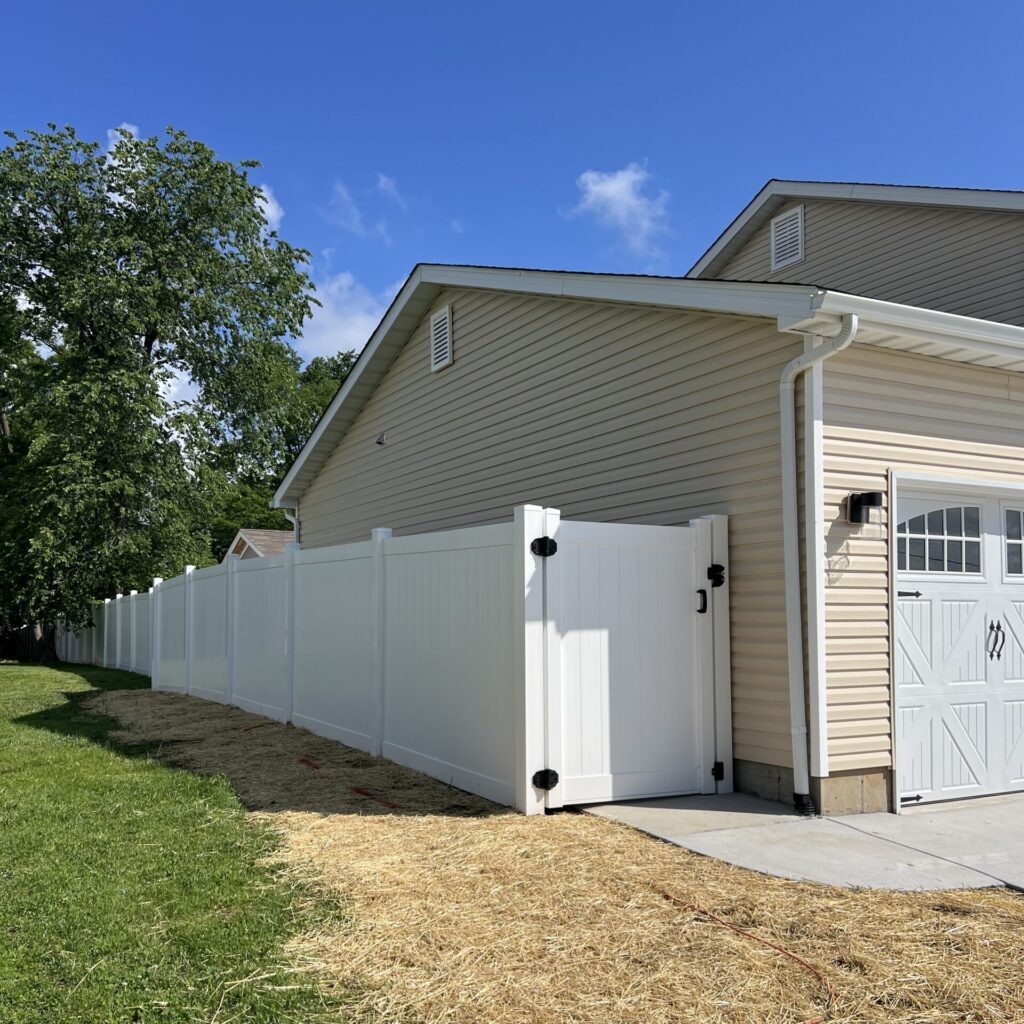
536,662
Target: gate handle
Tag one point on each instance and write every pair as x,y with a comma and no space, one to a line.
1002,640
991,640
703,595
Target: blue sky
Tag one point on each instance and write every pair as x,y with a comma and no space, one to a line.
593,136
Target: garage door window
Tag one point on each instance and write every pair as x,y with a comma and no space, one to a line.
1014,543
943,540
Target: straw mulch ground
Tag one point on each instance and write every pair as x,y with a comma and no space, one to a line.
465,913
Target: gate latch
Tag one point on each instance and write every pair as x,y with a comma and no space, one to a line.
546,778
716,573
543,547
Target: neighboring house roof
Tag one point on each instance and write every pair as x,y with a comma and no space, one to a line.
796,308
263,542
777,193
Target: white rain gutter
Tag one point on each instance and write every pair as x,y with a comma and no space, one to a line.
791,553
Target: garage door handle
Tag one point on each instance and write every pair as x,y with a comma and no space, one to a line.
1001,633
702,608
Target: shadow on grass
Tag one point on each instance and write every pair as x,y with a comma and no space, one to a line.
271,767
75,719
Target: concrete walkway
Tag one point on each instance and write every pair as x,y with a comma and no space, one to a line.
968,844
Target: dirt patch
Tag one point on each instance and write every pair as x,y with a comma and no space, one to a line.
466,913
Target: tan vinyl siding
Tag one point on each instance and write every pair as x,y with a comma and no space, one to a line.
887,411
961,261
607,412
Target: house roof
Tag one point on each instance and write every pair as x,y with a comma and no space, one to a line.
264,542
801,309
777,193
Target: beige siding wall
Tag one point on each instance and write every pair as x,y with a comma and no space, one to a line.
606,412
961,261
888,411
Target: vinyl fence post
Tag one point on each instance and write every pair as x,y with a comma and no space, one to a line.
232,624
723,661
189,569
289,631
704,651
133,627
117,630
377,538
154,634
106,632
552,576
528,525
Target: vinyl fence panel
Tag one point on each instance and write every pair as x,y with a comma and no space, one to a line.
171,674
334,687
208,676
260,682
449,663
141,624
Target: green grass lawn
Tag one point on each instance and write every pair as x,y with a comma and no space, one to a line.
131,892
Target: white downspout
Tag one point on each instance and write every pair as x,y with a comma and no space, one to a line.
791,553
294,520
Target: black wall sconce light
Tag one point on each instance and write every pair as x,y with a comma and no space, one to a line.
860,504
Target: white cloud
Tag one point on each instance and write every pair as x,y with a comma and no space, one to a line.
621,200
113,134
178,386
388,187
346,319
343,211
272,209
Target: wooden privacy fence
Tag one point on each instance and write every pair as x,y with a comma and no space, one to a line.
535,662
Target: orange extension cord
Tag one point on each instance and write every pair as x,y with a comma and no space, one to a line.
825,983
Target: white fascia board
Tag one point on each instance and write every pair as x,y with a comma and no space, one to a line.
918,195
234,541
666,292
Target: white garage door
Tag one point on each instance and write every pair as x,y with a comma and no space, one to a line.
959,645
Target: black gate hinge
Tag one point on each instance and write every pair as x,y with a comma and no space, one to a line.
718,771
546,778
543,547
716,573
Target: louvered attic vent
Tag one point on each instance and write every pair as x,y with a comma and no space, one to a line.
788,238
441,339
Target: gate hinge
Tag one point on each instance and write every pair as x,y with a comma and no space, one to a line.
718,771
543,547
546,778
716,573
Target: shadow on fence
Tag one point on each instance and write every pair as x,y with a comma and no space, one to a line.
30,643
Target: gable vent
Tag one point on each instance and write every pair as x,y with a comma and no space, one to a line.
788,238
441,339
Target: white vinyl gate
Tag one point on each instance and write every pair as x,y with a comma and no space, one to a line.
959,644
535,662
631,691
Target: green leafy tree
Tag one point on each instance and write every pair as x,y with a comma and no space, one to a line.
243,498
124,274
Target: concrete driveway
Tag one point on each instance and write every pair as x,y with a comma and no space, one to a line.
969,844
